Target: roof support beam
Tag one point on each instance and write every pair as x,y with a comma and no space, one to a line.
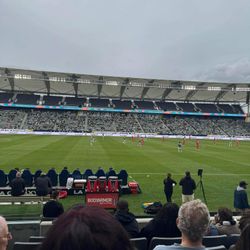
46,82
165,94
222,93
75,84
144,92
10,79
122,89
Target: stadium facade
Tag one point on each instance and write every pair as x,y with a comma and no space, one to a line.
144,105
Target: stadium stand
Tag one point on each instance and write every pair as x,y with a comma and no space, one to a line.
118,104
144,104
100,103
27,99
186,107
74,101
79,121
6,97
52,100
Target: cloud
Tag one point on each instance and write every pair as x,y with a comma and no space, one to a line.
237,71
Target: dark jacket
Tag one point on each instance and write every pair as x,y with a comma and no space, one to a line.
159,228
17,186
52,209
129,223
168,185
188,185
240,198
43,185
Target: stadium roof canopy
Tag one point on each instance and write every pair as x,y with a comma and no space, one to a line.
70,84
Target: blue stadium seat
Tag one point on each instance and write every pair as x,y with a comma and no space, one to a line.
139,243
52,174
88,172
28,177
12,175
123,175
100,172
63,176
77,174
3,179
111,172
37,174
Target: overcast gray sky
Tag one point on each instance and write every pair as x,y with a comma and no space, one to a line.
207,40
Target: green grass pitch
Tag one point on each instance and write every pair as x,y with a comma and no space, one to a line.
223,166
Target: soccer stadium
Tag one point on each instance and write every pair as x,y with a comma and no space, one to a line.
124,125
53,121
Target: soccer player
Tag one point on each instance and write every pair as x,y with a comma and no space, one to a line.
179,146
197,144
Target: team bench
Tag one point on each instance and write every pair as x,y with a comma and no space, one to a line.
5,199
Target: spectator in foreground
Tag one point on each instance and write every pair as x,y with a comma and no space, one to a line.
225,223
163,224
5,235
85,228
43,185
126,218
193,220
240,197
17,185
53,208
244,242
188,187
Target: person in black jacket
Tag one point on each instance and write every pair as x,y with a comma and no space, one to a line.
17,185
163,224
43,185
126,218
53,208
188,187
169,183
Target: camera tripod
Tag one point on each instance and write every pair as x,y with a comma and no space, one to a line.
200,184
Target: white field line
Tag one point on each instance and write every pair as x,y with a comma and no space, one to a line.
182,174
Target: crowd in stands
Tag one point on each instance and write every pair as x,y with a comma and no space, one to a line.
73,121
187,227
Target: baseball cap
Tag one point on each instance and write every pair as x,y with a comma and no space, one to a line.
242,184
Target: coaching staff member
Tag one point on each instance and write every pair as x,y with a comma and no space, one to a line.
188,187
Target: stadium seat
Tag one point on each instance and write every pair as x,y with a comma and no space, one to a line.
231,240
63,176
37,174
3,179
26,245
111,172
212,241
100,172
91,184
87,173
221,247
77,174
28,177
123,176
139,243
52,174
113,185
12,175
102,184
163,241
36,238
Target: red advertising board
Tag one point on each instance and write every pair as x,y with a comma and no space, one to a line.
104,200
